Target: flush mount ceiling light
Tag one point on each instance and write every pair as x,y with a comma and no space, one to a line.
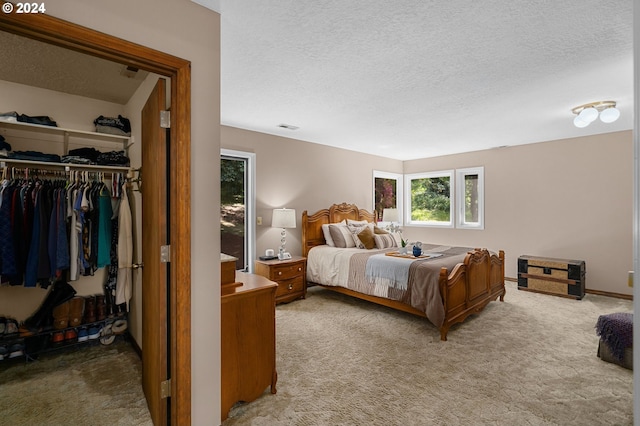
587,113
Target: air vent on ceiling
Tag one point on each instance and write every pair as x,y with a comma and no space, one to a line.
288,126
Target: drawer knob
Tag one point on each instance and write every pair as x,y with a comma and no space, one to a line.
279,272
299,269
290,286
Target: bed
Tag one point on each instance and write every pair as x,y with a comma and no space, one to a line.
446,285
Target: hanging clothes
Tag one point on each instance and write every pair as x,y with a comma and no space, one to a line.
53,227
125,251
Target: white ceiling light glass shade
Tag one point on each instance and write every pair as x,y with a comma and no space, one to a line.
588,114
609,115
578,122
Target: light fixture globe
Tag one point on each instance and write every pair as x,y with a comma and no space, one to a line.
609,115
588,114
578,122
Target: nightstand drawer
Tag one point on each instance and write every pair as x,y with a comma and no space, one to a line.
286,271
295,285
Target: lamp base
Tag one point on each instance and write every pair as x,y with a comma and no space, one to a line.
284,255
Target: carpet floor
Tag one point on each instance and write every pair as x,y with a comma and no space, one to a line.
94,385
528,361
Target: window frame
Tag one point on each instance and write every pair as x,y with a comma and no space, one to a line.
429,175
461,175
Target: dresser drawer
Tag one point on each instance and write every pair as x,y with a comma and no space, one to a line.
286,271
286,287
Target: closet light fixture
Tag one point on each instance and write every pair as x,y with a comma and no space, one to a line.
588,113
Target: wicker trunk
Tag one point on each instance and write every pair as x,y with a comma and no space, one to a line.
560,277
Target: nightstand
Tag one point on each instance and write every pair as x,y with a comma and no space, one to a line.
290,275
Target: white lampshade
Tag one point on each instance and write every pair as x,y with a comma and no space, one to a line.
609,115
578,122
390,215
283,218
588,114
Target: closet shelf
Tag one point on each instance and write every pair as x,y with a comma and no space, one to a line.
126,140
63,166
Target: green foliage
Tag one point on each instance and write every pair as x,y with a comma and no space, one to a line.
430,199
231,181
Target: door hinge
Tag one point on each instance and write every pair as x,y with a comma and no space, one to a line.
165,254
165,119
165,389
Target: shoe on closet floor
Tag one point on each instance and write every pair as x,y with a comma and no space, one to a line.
89,309
76,311
61,316
94,333
70,336
3,352
57,339
101,307
83,334
16,350
11,327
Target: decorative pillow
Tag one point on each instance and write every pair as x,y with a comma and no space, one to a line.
357,222
357,229
365,238
327,234
385,241
341,236
377,230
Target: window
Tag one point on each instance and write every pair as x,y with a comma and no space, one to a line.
387,193
237,212
429,198
470,198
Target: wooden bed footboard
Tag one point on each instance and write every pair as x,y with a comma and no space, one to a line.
470,286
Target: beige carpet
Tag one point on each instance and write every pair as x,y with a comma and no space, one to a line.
528,361
94,385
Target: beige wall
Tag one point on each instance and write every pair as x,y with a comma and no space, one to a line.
304,176
568,199
189,31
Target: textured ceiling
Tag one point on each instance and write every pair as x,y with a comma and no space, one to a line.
403,79
38,64
413,79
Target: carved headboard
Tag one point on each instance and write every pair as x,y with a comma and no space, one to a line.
312,223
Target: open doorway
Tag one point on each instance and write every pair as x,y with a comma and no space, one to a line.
61,33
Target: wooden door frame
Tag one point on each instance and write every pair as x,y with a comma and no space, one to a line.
85,40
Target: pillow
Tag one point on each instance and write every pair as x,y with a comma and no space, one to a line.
377,230
341,236
356,222
365,238
357,229
327,234
385,241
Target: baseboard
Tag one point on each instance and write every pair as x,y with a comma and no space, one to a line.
598,292
609,294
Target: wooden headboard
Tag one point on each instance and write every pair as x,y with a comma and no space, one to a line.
312,223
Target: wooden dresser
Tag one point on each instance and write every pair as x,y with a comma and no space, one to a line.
248,340
290,275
